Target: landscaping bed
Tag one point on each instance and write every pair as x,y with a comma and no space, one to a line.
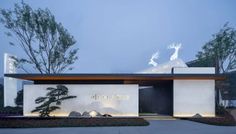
219,121
11,111
37,122
223,119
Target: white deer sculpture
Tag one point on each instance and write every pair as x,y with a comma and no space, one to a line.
154,56
175,46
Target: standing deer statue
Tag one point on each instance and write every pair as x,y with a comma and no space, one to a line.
154,56
176,46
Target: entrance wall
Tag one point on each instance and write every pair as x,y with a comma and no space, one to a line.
113,99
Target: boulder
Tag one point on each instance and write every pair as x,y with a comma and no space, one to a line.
95,114
86,114
106,115
75,114
197,116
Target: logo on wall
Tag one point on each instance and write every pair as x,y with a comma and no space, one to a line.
109,97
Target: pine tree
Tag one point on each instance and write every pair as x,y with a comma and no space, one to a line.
52,100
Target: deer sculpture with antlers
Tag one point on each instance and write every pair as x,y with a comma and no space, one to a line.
175,46
154,56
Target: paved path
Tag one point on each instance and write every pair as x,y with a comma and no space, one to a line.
155,127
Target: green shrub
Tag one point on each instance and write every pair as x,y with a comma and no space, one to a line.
1,95
220,110
19,98
11,111
39,122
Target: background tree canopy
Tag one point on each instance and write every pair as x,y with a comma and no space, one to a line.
19,98
220,52
46,43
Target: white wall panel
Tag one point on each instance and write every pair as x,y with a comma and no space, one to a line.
10,84
117,100
194,70
194,96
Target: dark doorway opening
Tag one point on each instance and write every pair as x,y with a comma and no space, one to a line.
156,98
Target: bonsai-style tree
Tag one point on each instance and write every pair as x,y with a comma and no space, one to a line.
53,99
47,46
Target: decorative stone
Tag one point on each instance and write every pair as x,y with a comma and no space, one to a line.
75,114
95,114
197,116
86,114
106,115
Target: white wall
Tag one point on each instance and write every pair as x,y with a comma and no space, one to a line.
10,84
117,100
194,96
194,70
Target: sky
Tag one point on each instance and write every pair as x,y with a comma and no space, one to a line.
119,36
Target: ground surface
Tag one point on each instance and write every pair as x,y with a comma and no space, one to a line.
156,126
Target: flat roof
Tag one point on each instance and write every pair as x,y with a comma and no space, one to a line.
113,76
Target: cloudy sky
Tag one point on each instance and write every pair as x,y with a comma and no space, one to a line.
119,36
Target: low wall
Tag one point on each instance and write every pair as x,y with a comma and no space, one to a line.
194,97
116,100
